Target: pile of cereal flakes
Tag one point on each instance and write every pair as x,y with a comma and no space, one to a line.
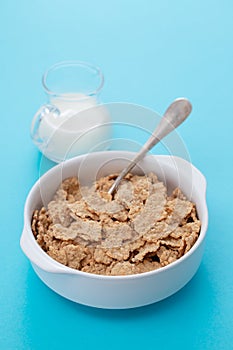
139,230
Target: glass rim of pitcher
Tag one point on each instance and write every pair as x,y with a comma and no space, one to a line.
72,63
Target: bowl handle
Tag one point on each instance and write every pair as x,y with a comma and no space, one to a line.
38,258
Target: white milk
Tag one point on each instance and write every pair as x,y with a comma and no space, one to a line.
80,126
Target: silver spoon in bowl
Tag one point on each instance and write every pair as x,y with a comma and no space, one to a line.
175,114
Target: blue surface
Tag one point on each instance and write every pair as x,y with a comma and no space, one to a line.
150,53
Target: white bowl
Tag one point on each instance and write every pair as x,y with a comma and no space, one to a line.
116,292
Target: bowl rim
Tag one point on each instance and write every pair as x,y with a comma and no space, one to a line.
63,269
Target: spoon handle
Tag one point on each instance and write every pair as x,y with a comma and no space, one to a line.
176,113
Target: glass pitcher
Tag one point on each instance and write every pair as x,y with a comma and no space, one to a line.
73,121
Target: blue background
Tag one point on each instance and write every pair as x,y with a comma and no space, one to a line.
150,52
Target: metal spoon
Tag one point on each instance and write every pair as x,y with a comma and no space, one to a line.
176,113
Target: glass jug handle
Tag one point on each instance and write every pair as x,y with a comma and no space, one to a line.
40,114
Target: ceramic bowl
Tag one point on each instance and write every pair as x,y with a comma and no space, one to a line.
116,292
